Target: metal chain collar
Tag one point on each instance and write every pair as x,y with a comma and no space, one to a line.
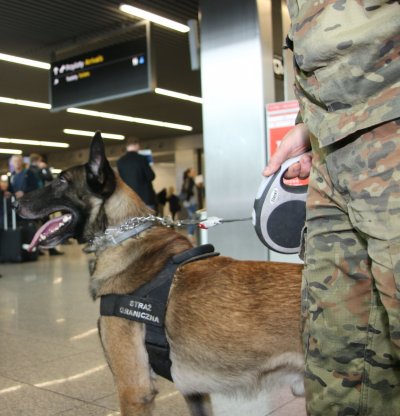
110,235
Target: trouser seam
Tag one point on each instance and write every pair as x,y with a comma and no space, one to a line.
370,340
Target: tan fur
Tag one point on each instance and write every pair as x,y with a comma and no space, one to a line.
233,326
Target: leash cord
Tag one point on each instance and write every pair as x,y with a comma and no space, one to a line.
135,225
204,223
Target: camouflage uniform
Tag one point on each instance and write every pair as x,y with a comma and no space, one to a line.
347,59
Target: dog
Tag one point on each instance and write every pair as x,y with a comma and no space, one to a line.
232,326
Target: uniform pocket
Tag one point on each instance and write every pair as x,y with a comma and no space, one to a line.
394,250
336,310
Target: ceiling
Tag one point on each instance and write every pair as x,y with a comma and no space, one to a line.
41,29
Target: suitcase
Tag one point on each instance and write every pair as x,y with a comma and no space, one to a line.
13,239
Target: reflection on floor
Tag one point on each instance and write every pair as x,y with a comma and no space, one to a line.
51,361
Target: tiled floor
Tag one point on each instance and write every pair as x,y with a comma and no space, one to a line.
51,361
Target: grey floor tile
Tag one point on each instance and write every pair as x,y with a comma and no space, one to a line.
51,361
20,399
89,410
296,407
84,376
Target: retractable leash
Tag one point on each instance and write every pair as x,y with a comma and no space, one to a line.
279,212
278,217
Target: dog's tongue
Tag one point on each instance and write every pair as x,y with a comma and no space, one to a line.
48,229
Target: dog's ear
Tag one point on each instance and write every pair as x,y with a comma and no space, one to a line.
100,176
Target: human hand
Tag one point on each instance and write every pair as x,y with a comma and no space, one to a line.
296,142
19,194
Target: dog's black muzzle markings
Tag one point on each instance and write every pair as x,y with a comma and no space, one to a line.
148,304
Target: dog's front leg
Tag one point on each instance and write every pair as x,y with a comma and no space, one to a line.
123,344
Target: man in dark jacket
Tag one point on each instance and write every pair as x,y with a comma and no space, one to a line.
136,172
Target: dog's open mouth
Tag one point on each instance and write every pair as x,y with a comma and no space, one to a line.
51,233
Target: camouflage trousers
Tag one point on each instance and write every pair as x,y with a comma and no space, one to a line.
351,281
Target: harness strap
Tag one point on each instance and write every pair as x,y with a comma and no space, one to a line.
148,305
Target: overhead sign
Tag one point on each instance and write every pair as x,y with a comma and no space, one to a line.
100,75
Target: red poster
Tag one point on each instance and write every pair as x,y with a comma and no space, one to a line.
280,119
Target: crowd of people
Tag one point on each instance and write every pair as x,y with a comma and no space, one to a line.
26,175
30,173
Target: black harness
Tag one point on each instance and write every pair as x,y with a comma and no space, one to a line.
148,304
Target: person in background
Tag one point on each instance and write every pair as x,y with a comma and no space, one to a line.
39,167
4,200
173,202
347,63
188,198
136,172
22,180
43,175
161,201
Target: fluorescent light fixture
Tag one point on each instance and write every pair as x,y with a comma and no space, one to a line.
26,103
55,171
92,133
11,152
100,114
162,21
179,95
129,119
32,142
24,61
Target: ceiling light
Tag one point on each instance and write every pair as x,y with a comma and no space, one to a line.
55,171
129,119
92,133
32,142
162,21
11,151
179,95
24,61
26,103
92,113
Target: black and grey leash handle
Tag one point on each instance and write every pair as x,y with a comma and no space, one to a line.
279,211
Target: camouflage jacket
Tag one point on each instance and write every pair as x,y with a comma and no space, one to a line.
347,63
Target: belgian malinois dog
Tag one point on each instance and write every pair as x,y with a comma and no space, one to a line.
232,326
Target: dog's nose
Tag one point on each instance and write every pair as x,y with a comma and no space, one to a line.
15,204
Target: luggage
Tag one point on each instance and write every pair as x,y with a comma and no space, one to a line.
13,239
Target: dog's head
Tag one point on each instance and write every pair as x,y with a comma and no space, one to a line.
79,193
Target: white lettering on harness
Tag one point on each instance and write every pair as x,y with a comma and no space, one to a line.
139,314
140,305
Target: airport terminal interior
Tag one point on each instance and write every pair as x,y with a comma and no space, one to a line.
204,94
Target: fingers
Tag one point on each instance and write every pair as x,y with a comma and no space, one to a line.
305,164
300,169
273,165
295,142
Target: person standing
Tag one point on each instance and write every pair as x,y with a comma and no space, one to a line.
22,180
347,63
188,198
40,168
173,202
136,172
42,172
